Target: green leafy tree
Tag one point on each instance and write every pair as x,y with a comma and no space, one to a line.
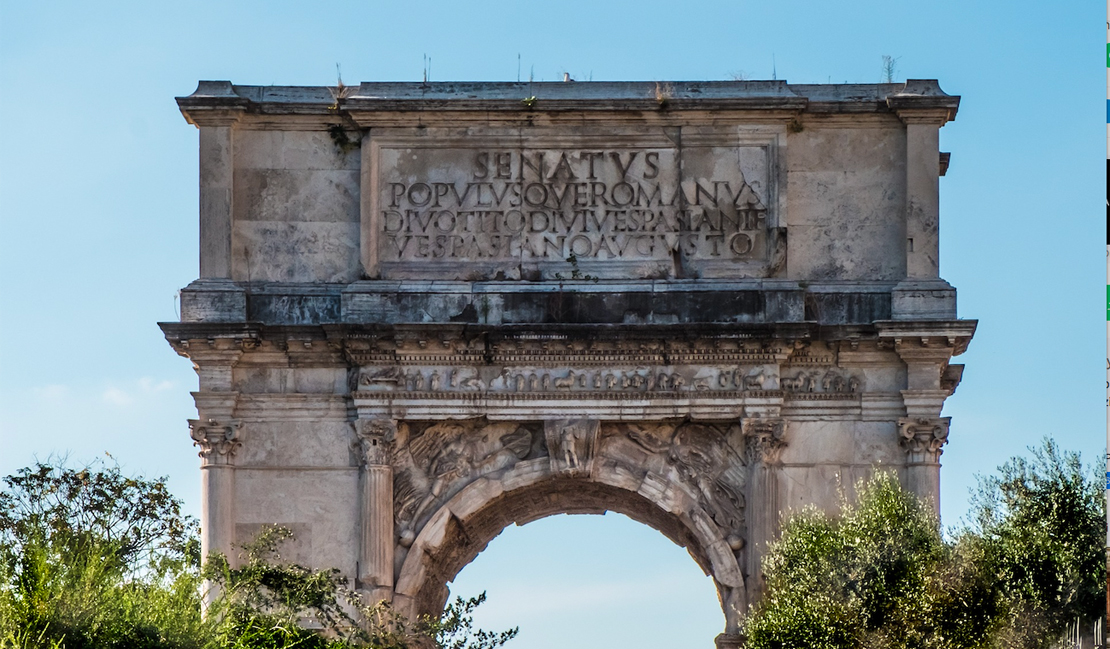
879,575
1040,522
92,558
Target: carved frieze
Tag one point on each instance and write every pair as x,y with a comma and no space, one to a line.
445,379
218,440
829,381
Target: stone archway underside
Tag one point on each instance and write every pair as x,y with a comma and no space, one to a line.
463,540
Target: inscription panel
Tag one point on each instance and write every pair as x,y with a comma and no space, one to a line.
490,207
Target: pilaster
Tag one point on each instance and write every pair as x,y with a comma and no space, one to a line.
924,108
216,124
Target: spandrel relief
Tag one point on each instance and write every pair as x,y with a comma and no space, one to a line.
701,456
434,461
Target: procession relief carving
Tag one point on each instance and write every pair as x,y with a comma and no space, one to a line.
831,381
218,440
433,462
570,445
923,438
462,380
823,382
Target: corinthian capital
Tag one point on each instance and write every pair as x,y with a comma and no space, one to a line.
765,439
922,438
218,441
375,440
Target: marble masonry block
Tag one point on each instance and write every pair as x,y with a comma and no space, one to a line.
297,251
818,442
326,502
277,444
291,149
285,195
213,300
923,300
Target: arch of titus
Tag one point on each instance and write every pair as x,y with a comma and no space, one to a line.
428,311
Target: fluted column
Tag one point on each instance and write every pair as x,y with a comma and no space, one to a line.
765,441
922,439
375,563
218,442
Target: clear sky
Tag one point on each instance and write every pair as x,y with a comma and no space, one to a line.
98,225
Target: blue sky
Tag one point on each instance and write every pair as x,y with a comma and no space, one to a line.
98,204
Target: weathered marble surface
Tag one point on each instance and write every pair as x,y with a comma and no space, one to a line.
428,311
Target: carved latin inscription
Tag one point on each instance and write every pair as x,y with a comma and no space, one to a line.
493,205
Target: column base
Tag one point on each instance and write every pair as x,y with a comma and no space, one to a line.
729,641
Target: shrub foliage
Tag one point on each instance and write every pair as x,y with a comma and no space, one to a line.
93,559
880,574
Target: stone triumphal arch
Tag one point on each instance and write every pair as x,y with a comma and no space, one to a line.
428,311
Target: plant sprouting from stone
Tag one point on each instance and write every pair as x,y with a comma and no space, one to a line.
529,102
343,142
575,272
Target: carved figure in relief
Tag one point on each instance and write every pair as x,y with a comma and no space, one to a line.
701,384
597,381
570,444
438,463
453,379
754,379
565,382
795,384
704,459
546,382
433,381
472,383
533,382
610,381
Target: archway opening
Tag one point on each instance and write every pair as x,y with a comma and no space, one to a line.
592,581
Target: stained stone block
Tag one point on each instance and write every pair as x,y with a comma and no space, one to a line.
213,300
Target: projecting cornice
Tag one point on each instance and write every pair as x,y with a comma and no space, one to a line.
366,102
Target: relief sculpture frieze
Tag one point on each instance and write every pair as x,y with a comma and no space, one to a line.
434,461
703,456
